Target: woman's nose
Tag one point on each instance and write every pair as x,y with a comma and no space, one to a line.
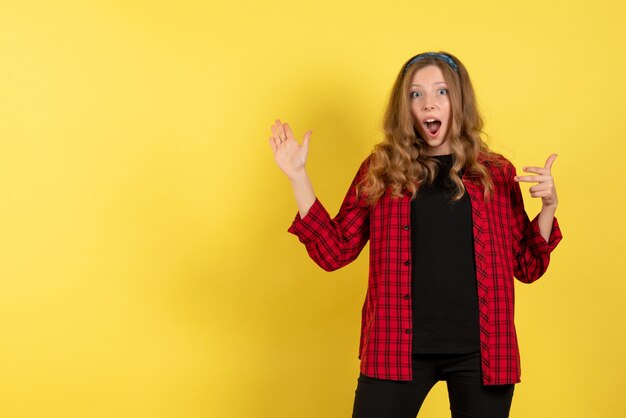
428,103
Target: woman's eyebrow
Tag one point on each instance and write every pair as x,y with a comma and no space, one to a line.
437,82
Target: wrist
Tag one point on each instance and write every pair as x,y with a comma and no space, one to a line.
549,209
299,177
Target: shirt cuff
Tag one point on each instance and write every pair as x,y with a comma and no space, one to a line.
307,228
537,243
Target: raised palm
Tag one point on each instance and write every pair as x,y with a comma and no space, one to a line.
288,153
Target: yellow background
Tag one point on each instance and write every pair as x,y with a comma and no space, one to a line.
145,267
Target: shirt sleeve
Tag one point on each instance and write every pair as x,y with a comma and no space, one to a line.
333,243
531,250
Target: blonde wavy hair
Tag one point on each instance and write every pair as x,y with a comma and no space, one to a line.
399,163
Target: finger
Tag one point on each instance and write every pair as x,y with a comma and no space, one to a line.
540,188
288,132
550,161
276,131
273,144
277,137
533,179
305,142
280,129
536,170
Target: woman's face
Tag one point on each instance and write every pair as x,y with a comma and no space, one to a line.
430,107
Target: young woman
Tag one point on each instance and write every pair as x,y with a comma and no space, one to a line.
448,233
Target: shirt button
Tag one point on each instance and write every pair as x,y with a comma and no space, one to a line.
406,227
407,263
408,331
407,297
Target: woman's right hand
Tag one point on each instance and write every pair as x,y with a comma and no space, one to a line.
288,153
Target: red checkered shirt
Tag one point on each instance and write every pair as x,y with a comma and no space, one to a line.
506,245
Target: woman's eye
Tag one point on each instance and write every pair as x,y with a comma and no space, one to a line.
415,94
442,92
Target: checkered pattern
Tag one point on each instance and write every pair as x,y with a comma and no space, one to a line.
506,244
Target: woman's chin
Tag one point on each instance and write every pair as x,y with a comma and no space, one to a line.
437,146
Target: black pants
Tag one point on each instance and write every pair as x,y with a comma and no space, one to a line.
376,398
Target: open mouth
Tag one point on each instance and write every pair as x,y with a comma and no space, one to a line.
432,126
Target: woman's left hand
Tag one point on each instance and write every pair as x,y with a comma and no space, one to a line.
545,183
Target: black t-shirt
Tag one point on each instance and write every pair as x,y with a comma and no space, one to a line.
445,299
